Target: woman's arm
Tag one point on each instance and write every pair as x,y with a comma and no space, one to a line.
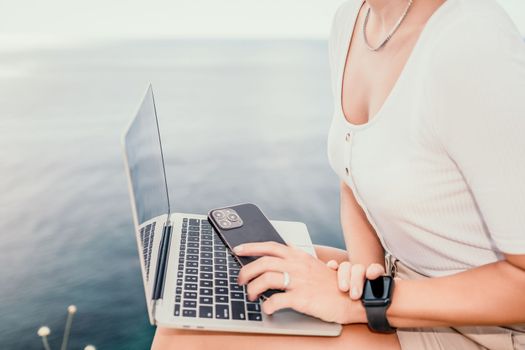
488,295
366,254
361,240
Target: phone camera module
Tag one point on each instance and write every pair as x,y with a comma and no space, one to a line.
225,223
227,218
232,217
218,214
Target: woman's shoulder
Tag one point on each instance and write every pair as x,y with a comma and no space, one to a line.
474,30
345,13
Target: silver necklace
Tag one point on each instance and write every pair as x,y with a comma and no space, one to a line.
389,36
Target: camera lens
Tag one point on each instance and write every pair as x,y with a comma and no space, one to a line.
232,217
218,214
225,223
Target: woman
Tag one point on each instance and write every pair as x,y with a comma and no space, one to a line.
427,138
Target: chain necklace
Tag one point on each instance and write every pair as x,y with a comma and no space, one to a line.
389,36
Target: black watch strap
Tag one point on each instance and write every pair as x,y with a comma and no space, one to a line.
377,321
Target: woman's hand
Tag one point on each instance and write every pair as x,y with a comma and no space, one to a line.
312,287
351,278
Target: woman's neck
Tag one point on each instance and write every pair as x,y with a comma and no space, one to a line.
387,12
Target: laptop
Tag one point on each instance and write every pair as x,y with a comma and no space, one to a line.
189,276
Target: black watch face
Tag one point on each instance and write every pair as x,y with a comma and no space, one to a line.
378,291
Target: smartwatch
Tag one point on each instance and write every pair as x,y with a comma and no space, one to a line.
376,298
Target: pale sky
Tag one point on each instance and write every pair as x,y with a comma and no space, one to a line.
29,23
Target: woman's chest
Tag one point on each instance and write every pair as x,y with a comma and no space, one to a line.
394,162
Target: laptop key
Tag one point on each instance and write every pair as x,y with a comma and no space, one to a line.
220,267
221,275
206,249
206,275
206,268
253,307
177,310
221,299
193,251
192,271
194,221
192,257
193,245
205,311
237,295
205,300
234,272
177,299
219,254
221,290
206,291
189,313
220,261
192,264
190,303
179,282
190,286
206,255
222,312
254,316
206,262
190,278
206,283
238,310
236,288
221,283
190,295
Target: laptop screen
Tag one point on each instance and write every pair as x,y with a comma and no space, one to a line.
145,161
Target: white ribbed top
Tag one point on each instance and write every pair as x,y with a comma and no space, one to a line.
440,169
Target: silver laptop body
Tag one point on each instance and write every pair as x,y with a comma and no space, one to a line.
188,274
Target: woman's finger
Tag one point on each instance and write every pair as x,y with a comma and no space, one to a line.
374,271
262,249
260,266
357,280
332,264
268,280
343,276
277,302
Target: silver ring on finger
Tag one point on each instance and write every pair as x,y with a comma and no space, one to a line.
286,279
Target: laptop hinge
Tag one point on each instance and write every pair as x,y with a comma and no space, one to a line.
162,262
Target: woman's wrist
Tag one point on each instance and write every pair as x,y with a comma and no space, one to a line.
354,312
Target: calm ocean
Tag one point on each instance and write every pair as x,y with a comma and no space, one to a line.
240,120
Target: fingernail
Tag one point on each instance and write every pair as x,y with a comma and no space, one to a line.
355,292
344,285
237,249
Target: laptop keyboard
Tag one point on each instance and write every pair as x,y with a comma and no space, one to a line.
146,237
207,277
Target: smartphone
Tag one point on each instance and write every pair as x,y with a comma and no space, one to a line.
243,223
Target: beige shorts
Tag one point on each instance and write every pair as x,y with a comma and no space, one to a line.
456,338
